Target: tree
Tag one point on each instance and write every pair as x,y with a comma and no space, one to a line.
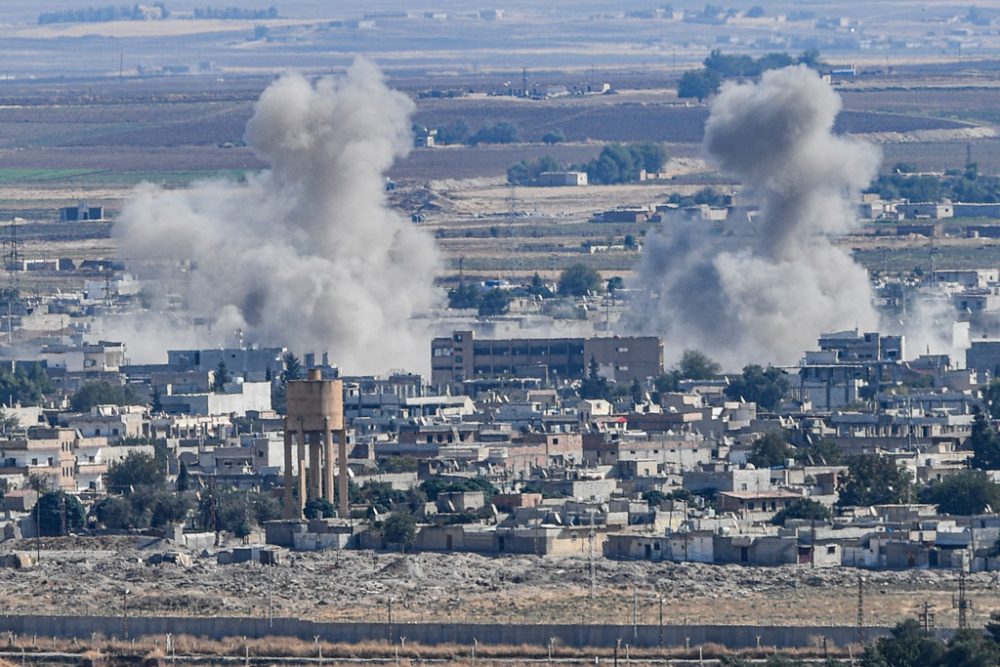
636,391
25,386
526,173
615,283
501,132
464,296
319,508
394,464
400,528
595,385
654,497
538,288
553,137
227,510
907,646
874,480
156,401
59,513
453,134
169,509
824,452
114,512
293,368
984,443
755,12
221,377
695,365
578,280
698,84
991,397
264,507
765,387
494,302
804,508
770,451
135,470
183,479
968,492
102,392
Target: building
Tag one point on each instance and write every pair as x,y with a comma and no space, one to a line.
461,357
561,178
983,356
932,210
45,453
81,213
252,363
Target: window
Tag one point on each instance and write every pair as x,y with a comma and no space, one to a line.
114,431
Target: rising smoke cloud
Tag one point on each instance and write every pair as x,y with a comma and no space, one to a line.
768,299
306,254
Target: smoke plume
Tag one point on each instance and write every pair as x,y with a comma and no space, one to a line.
767,297
306,254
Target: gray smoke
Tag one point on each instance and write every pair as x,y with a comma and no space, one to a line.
306,254
766,298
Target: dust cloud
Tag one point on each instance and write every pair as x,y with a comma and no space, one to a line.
766,297
306,254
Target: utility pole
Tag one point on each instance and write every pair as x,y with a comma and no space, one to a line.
861,610
592,537
661,620
270,599
635,611
926,616
962,603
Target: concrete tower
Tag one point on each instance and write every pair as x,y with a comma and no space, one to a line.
315,418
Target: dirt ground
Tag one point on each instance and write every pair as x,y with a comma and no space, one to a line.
87,576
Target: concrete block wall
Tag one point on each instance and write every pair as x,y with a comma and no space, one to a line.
733,636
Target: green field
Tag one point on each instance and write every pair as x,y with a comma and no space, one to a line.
107,177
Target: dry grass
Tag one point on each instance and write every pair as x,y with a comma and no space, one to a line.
157,648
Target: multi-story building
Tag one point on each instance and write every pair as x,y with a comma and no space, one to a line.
461,357
45,453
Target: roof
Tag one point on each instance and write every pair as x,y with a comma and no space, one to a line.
757,495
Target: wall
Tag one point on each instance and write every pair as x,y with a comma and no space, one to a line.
733,636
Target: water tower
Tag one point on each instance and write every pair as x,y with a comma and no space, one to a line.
315,418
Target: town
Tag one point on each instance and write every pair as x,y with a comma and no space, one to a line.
649,333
